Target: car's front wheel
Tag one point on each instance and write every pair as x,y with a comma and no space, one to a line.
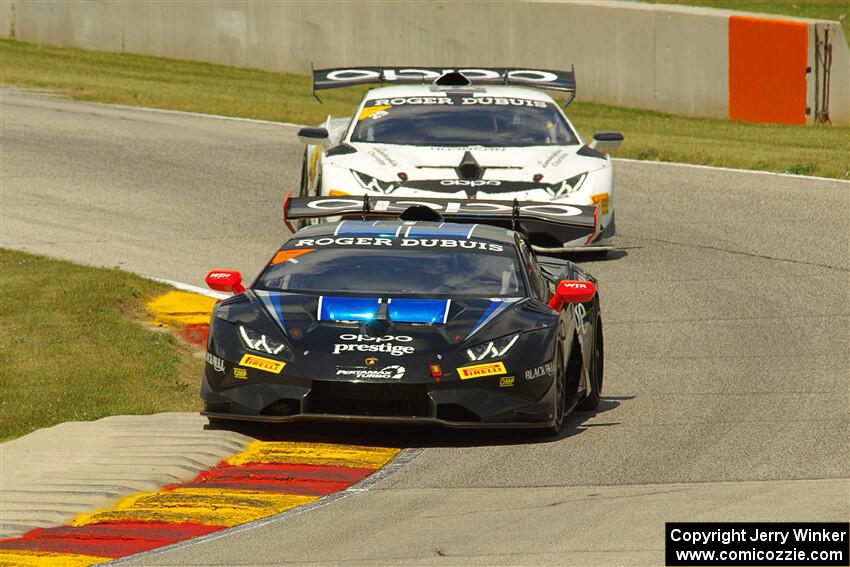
559,404
303,190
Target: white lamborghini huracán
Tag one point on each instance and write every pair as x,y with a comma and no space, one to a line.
458,134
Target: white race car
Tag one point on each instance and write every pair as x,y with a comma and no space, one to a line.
465,134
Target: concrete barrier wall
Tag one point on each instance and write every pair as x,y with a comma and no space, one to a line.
667,58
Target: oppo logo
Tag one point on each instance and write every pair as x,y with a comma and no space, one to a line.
467,183
384,339
452,207
390,75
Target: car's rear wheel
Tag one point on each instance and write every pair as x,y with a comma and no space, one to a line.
596,370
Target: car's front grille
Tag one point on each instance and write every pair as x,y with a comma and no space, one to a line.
386,400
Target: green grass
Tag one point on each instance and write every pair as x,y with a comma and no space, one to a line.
836,10
72,347
217,89
156,82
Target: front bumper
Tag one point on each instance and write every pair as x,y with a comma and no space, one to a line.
342,418
449,404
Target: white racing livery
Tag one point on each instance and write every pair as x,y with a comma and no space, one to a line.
487,134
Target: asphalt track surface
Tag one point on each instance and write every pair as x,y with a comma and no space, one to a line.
726,321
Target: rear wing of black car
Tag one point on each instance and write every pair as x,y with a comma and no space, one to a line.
537,78
547,225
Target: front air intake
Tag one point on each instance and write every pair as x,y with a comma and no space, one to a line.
455,412
469,168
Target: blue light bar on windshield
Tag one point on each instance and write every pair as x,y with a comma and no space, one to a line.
428,311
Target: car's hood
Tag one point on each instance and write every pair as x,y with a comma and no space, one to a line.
318,322
386,161
403,348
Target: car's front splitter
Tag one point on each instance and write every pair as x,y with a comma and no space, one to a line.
308,417
451,404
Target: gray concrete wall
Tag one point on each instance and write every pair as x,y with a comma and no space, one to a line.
666,58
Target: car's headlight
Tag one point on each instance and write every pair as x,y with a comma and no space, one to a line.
566,186
259,342
372,184
493,349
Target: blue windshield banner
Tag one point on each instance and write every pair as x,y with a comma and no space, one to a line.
428,311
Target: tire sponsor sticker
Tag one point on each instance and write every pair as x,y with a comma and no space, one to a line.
261,363
480,370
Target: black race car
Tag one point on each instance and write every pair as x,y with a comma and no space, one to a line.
401,315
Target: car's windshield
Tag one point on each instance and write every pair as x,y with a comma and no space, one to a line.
437,267
466,120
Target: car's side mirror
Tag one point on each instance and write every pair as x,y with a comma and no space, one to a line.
572,291
606,141
225,280
314,136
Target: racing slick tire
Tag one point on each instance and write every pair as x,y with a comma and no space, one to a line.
303,187
567,374
597,370
303,191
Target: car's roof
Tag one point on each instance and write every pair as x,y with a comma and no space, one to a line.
409,229
475,90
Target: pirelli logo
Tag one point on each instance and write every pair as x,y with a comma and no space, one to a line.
479,370
260,363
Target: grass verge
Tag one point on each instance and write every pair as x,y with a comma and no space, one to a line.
200,87
72,347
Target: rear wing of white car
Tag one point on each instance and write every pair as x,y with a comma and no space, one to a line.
537,78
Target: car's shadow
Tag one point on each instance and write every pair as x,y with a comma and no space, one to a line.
404,435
